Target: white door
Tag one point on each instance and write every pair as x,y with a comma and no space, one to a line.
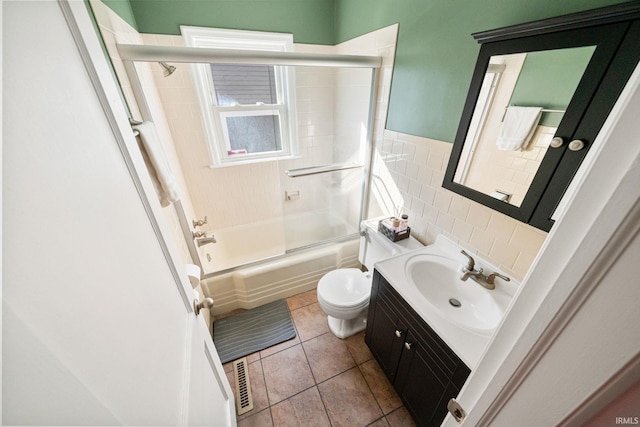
210,383
98,326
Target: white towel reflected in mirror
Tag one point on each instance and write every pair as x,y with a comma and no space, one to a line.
518,127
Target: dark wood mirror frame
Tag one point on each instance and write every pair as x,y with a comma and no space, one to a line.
615,31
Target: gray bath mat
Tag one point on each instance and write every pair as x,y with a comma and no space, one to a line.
253,330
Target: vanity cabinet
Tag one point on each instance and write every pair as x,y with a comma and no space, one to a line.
425,372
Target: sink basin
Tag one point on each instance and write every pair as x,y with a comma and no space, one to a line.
465,303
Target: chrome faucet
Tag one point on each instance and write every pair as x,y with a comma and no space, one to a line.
197,234
204,240
471,263
478,276
469,270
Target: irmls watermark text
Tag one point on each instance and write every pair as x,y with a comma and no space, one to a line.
627,420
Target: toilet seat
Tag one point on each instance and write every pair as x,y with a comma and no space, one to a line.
345,288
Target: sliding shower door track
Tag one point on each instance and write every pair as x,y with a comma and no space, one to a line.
324,242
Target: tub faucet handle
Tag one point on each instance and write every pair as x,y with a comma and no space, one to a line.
198,234
199,222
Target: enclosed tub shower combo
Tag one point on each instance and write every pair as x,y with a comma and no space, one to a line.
268,227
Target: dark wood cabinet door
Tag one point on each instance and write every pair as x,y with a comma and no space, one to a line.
385,339
419,383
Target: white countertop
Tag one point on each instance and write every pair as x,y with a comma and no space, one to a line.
467,344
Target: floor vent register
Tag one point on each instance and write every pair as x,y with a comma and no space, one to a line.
244,400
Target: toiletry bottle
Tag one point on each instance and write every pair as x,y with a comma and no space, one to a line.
404,222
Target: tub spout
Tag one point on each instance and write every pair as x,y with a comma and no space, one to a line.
204,240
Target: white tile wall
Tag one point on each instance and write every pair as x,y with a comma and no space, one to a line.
221,194
236,195
381,43
413,169
353,87
314,103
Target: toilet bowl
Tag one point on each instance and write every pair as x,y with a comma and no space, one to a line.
343,294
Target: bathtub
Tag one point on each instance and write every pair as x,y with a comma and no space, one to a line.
281,274
241,245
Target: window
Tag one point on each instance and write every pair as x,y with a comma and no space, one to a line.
248,110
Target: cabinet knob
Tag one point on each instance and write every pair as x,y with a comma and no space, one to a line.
556,142
399,333
576,145
408,345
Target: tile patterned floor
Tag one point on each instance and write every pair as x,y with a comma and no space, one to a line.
317,379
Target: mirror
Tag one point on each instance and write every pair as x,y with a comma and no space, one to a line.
546,80
539,95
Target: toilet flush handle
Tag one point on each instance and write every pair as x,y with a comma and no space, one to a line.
206,303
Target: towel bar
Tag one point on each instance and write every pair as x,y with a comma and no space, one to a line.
294,173
544,110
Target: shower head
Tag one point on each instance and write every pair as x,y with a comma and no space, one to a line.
168,69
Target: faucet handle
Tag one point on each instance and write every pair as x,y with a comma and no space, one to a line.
471,263
490,278
199,222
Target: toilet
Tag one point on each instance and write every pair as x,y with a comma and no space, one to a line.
343,294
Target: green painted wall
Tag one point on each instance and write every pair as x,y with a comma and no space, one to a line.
548,79
310,21
436,54
123,9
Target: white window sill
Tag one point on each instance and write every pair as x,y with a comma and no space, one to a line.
251,161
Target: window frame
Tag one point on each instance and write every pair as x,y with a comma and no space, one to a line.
218,143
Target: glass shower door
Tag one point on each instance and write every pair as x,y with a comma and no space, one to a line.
323,188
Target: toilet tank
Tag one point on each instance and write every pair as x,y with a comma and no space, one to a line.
375,247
